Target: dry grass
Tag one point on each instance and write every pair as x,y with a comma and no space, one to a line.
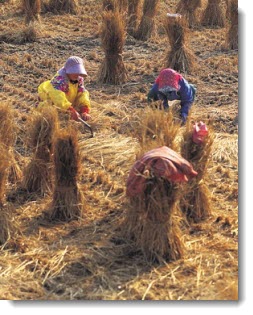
189,10
32,10
86,259
213,15
232,34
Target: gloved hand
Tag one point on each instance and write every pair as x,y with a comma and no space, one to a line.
74,114
183,119
84,113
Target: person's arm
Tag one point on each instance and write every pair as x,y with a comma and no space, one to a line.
153,93
186,97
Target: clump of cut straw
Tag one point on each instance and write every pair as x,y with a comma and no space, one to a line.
232,35
196,196
120,5
27,34
188,8
146,26
180,57
152,222
62,6
157,128
113,39
213,15
32,10
38,173
68,200
133,16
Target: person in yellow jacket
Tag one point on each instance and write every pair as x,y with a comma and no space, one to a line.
66,90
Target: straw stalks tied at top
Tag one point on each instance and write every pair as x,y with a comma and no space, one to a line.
38,173
196,201
67,203
213,16
147,23
32,10
188,8
8,132
180,57
232,35
113,36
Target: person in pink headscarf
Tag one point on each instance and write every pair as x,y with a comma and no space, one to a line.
170,86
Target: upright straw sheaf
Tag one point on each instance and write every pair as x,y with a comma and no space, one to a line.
196,196
152,221
180,57
120,5
113,36
4,165
67,203
147,22
232,35
188,9
62,6
213,15
32,10
157,128
38,173
133,16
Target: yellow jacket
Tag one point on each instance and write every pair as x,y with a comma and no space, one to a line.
61,93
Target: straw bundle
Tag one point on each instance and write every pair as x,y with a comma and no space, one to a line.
4,164
38,173
180,57
67,201
113,38
232,35
213,15
62,6
32,10
196,197
152,221
157,128
120,5
8,138
146,25
133,15
188,9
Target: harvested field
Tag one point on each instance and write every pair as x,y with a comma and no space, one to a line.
87,259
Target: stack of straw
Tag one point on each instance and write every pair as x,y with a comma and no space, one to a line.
196,196
32,10
232,35
38,173
113,39
146,26
188,8
68,200
180,57
133,16
213,15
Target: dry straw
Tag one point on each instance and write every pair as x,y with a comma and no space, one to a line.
113,39
188,9
67,203
120,5
38,173
152,221
196,197
32,10
147,22
133,16
213,15
232,35
180,57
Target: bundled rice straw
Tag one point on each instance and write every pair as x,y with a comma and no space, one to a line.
213,15
196,197
8,138
232,35
62,6
113,38
133,16
180,57
188,8
146,26
38,173
68,200
152,221
120,5
157,128
32,10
